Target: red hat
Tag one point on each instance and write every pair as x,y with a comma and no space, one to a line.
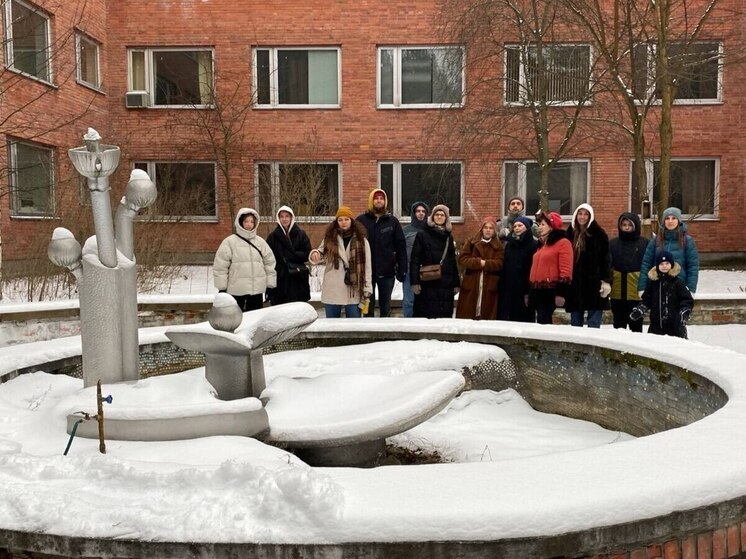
552,218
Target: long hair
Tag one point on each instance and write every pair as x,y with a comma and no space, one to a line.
679,235
331,248
579,236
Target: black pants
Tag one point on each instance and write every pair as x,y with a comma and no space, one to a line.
620,310
542,300
249,302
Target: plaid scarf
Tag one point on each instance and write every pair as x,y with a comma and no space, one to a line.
356,236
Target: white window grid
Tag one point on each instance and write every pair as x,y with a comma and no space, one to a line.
79,39
8,13
13,180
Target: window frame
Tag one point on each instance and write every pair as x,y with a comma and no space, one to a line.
150,78
650,74
79,38
650,172
15,202
522,101
522,186
9,55
150,168
274,89
397,77
403,214
275,199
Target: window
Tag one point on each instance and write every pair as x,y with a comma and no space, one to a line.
297,77
185,189
434,183
27,39
172,77
568,185
311,189
696,67
88,68
31,178
420,76
693,186
565,78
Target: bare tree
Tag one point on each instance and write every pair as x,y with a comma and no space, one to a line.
534,108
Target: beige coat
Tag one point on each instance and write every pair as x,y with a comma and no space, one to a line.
333,290
239,268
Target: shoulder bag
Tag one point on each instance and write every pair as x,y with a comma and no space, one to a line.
433,272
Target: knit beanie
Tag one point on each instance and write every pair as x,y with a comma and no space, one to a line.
676,212
525,220
490,219
344,211
373,195
523,204
664,256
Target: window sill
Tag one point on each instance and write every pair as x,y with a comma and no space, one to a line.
419,106
91,86
32,77
29,217
181,219
297,107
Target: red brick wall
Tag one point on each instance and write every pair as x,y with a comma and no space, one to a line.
357,135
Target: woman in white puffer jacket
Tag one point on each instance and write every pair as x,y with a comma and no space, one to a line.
244,264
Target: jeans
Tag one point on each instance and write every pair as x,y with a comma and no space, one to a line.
594,318
335,311
384,287
407,298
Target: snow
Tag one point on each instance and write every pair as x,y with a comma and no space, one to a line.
514,472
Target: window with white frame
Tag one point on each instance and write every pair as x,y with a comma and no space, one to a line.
435,182
424,77
568,185
311,189
696,66
186,189
693,186
31,177
297,77
172,76
88,61
557,74
27,39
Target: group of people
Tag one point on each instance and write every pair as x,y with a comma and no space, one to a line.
514,269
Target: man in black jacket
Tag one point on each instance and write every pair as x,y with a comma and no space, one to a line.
388,250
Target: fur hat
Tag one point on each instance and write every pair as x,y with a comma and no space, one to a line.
440,208
664,256
344,211
525,220
552,218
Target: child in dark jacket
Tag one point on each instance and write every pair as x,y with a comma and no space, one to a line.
667,297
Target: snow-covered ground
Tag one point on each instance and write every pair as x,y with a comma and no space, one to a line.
515,472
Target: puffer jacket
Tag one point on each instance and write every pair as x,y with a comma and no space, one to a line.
627,251
667,296
684,253
241,269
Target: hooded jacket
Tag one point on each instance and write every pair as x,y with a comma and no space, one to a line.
667,296
591,266
627,251
388,249
291,246
415,225
242,269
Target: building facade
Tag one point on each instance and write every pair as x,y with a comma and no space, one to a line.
239,103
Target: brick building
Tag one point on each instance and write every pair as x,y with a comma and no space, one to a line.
240,103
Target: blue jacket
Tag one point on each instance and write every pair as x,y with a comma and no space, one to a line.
687,257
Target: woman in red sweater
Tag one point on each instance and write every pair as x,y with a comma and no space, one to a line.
551,269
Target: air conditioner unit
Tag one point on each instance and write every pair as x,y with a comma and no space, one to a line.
136,99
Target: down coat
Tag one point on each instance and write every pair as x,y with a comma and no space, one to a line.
292,246
479,294
627,251
242,269
684,250
667,296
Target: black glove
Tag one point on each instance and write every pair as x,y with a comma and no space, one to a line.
686,314
221,290
637,313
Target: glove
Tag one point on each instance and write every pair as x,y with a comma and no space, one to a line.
686,314
455,290
605,289
417,289
637,313
639,294
559,301
401,278
525,300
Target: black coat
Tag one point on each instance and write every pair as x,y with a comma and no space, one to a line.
514,285
388,248
627,251
293,247
436,298
667,296
591,267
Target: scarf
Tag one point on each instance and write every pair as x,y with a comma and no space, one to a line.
356,264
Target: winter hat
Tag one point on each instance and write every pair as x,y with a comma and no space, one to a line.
289,210
443,208
552,218
419,205
344,211
664,256
586,207
676,212
373,195
490,219
525,220
243,212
